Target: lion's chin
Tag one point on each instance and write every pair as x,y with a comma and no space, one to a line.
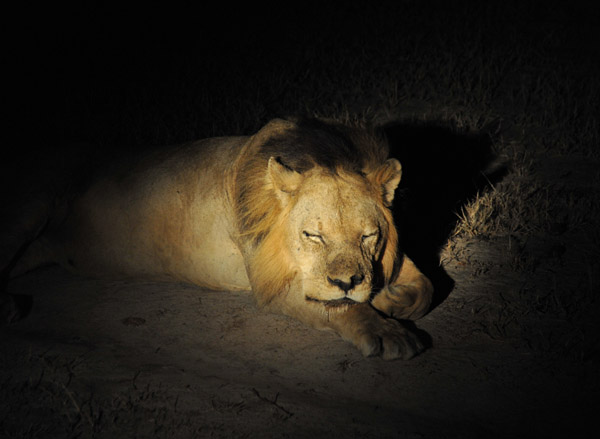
335,303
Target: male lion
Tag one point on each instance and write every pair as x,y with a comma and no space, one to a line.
299,213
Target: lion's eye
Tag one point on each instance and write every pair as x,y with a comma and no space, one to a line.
369,236
313,237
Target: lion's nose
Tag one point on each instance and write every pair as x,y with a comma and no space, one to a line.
346,286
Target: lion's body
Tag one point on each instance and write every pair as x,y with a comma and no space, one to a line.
297,213
168,217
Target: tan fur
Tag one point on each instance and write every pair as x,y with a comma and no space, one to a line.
271,269
390,248
299,213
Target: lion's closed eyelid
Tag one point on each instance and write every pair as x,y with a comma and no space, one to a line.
370,234
313,236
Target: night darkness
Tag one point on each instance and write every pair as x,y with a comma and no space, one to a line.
492,109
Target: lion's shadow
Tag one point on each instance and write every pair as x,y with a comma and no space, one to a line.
442,170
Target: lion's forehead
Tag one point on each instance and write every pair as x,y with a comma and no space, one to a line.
335,204
345,187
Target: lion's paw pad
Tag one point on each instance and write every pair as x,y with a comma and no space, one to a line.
391,341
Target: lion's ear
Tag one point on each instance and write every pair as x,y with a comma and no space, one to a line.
284,180
387,177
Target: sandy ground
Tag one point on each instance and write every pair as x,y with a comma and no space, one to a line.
138,359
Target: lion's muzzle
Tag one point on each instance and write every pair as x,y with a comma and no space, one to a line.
347,285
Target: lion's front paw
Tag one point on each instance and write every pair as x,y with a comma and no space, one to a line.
388,338
407,302
13,308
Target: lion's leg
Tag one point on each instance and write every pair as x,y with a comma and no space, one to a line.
373,334
12,308
408,297
18,233
360,324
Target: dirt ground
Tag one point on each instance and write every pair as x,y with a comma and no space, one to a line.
493,112
134,359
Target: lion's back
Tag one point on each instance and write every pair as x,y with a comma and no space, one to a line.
164,215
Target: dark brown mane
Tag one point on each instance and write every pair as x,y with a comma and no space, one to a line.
327,144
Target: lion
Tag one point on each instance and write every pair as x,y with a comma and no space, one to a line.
298,213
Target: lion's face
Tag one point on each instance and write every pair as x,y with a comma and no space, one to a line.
336,232
325,234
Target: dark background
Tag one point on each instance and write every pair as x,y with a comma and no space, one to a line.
454,80
143,75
